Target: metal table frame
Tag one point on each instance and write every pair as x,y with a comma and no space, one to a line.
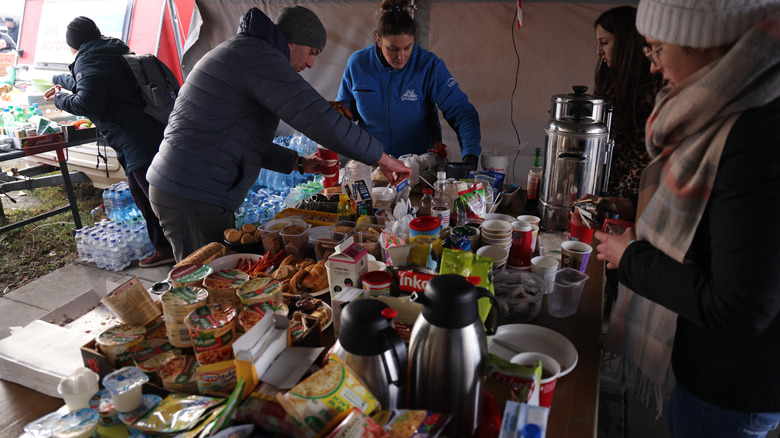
30,183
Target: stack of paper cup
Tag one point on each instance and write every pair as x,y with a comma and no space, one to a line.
331,170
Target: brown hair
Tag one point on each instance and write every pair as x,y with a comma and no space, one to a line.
395,19
621,83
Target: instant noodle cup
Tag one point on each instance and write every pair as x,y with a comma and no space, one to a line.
222,286
260,289
81,423
104,405
126,388
116,342
150,354
178,374
251,315
190,275
177,303
212,330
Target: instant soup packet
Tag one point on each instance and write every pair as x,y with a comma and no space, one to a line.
357,424
468,264
324,398
176,413
473,200
525,382
408,423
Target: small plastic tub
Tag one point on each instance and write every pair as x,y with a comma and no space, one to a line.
213,330
382,197
324,241
377,283
425,226
370,241
126,388
81,423
271,232
346,227
373,224
104,405
296,239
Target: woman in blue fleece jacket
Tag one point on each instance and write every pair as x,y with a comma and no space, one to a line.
395,90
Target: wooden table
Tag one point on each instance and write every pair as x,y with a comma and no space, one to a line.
574,410
21,405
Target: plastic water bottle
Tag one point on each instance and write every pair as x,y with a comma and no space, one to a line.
19,115
79,238
36,111
7,118
108,202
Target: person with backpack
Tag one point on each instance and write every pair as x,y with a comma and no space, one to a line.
220,134
103,90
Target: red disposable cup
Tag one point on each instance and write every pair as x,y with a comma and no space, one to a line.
581,233
552,369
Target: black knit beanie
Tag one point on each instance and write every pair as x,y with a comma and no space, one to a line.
81,30
301,26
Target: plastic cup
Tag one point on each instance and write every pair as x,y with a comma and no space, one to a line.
126,388
575,255
551,369
567,290
78,388
545,267
581,233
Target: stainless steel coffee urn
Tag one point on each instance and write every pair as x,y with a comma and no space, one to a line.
577,154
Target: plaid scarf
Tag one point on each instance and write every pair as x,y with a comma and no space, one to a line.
685,135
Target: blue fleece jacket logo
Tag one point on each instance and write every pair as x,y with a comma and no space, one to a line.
409,95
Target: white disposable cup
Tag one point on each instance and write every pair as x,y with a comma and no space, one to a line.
374,265
535,235
77,389
575,254
531,219
545,267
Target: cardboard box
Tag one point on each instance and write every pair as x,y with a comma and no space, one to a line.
347,266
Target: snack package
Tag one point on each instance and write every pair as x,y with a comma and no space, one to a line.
321,400
524,381
468,264
176,413
388,240
493,179
407,423
473,201
263,409
357,425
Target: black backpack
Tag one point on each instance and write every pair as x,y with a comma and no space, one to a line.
156,83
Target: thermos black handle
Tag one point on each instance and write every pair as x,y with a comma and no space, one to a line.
491,322
400,354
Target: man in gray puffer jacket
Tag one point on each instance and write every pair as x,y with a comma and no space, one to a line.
220,133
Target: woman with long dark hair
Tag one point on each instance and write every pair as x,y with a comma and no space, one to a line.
623,78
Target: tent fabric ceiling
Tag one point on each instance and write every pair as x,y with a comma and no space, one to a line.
509,74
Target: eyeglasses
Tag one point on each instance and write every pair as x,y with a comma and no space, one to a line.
653,55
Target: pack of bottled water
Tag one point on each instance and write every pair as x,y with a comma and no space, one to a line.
119,204
112,244
271,190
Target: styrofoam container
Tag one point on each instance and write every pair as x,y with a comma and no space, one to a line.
496,226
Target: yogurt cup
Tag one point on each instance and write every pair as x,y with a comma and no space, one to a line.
126,388
81,423
104,405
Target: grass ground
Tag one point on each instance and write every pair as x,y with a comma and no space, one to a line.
34,250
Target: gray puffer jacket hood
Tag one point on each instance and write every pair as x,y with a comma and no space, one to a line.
220,133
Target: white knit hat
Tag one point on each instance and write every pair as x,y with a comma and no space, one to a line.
701,23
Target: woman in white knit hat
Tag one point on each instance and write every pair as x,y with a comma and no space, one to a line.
702,269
